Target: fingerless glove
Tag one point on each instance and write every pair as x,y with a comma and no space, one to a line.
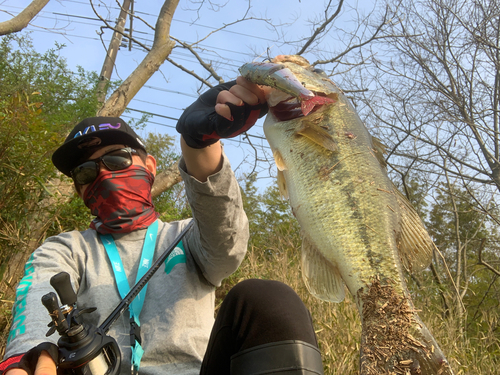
201,126
28,361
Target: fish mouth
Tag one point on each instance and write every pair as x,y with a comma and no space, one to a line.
292,108
287,110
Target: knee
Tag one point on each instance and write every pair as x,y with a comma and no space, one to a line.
269,310
269,300
265,293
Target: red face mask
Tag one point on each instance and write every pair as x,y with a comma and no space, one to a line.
121,200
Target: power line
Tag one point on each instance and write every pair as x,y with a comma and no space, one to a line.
159,89
98,24
158,104
174,53
189,58
153,114
192,23
171,91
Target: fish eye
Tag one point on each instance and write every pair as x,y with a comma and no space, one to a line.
321,72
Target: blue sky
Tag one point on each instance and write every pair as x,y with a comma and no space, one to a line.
169,91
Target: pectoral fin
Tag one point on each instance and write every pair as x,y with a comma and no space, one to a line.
415,244
318,135
322,279
278,159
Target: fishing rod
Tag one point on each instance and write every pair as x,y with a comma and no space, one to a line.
85,349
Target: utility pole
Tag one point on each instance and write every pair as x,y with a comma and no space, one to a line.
109,61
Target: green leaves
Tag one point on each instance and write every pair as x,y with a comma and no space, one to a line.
268,213
63,97
40,100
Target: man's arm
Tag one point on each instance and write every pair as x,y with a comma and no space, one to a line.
28,350
219,240
202,162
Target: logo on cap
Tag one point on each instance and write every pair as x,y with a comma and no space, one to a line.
92,128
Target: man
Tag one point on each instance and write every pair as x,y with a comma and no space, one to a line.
262,326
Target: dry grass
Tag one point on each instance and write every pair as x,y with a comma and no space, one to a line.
338,326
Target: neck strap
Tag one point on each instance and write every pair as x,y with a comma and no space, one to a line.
148,251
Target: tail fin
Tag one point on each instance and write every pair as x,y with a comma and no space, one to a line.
394,340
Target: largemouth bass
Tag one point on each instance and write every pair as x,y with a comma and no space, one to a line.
357,228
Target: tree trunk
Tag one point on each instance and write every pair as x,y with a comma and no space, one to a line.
162,46
114,45
166,179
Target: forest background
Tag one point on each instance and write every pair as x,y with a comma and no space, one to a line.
424,76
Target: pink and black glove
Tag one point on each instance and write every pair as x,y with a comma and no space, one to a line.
201,126
28,361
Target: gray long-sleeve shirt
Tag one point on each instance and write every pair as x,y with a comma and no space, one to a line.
178,310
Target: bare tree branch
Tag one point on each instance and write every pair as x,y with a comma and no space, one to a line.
482,262
22,20
321,28
190,72
166,179
375,36
441,290
443,260
205,65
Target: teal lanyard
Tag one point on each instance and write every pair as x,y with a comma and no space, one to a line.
148,250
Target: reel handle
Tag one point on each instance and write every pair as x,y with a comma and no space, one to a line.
62,284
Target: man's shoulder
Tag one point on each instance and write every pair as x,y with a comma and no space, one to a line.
173,225
167,232
72,238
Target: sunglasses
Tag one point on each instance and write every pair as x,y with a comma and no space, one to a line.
114,160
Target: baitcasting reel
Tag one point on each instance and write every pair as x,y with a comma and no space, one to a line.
84,349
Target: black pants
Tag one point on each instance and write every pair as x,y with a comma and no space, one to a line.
255,312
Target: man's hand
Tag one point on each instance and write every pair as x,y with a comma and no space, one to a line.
44,366
222,112
40,360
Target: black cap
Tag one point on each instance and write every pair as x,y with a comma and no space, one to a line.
90,135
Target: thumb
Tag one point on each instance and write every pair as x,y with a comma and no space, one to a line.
45,365
223,110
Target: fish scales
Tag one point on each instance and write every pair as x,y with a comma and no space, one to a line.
353,230
357,228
